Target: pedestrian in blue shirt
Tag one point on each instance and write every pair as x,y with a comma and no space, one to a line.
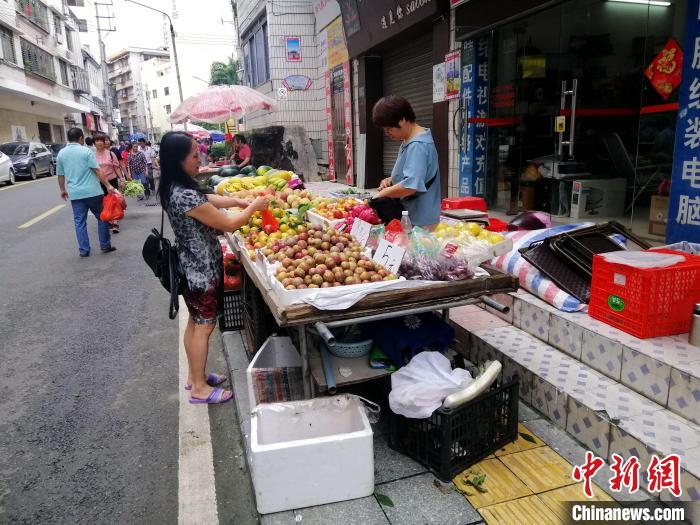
415,179
81,181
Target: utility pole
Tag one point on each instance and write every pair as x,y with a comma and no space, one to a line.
151,133
239,56
172,36
103,64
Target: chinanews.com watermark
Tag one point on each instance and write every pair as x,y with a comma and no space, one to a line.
663,474
609,512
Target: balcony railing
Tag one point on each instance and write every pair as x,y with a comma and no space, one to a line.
34,11
37,61
80,80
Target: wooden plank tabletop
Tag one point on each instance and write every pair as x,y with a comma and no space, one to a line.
389,301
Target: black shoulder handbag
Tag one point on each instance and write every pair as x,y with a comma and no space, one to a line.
161,257
389,208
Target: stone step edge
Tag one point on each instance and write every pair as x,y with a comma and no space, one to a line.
568,395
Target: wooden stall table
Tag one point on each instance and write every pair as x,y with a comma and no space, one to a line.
374,307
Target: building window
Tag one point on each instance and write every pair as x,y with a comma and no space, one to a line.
166,91
64,72
69,39
8,45
58,28
167,109
34,11
155,93
37,61
256,55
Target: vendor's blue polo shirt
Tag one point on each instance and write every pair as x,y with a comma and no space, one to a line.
75,163
417,169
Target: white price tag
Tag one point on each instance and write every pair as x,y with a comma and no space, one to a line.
389,255
360,230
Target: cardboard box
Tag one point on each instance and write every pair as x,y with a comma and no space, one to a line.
658,215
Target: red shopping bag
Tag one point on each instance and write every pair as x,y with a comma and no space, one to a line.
112,209
270,223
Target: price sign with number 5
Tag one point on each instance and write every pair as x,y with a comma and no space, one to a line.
389,255
360,230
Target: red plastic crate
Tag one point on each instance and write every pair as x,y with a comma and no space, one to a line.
645,302
464,203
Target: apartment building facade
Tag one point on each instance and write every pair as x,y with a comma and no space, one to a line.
160,90
44,87
124,73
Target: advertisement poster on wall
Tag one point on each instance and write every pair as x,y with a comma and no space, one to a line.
329,126
350,15
19,133
684,201
293,46
337,49
349,179
452,75
439,82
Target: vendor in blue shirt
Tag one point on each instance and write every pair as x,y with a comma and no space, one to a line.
415,178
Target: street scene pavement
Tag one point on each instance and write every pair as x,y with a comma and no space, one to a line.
89,417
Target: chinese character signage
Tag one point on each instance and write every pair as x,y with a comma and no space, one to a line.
452,75
329,126
475,105
439,82
347,101
684,202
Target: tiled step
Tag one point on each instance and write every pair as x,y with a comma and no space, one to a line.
605,415
664,369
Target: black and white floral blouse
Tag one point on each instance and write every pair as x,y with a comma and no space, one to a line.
197,244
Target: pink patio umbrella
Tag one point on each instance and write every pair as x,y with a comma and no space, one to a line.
197,132
217,104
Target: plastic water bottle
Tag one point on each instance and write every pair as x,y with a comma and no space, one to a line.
406,222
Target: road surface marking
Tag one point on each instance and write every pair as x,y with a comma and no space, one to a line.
18,184
41,217
196,489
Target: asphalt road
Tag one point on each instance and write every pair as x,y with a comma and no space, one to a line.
89,375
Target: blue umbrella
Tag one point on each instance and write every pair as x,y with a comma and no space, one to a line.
136,136
217,136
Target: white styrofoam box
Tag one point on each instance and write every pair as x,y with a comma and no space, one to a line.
320,220
274,374
312,452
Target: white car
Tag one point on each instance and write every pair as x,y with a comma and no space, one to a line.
7,172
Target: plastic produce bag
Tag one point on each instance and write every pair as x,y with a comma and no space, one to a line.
427,259
112,209
417,389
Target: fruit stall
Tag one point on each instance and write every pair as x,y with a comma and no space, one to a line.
320,263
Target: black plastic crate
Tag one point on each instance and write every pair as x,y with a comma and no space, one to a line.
258,321
452,440
232,318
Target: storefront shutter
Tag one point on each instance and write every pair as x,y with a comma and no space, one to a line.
408,71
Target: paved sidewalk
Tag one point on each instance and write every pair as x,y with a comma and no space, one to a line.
524,478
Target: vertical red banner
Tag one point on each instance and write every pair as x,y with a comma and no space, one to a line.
329,126
347,97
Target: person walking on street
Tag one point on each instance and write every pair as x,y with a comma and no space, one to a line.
196,219
203,153
81,180
113,147
138,167
150,154
109,165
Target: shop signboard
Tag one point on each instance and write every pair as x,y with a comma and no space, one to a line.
329,126
475,103
351,16
325,11
337,50
323,50
452,75
684,207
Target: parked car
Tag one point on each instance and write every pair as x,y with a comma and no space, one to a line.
29,159
7,172
55,147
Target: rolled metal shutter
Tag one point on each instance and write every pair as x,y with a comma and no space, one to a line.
408,71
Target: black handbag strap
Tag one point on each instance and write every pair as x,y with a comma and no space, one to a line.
172,274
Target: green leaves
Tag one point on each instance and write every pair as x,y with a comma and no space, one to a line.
527,437
476,480
384,500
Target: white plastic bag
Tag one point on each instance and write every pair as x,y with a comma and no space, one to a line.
417,389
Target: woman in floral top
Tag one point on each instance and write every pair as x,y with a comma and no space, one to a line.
196,219
138,168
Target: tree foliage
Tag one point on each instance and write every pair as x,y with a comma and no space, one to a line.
221,73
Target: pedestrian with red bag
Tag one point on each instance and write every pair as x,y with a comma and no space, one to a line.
109,164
